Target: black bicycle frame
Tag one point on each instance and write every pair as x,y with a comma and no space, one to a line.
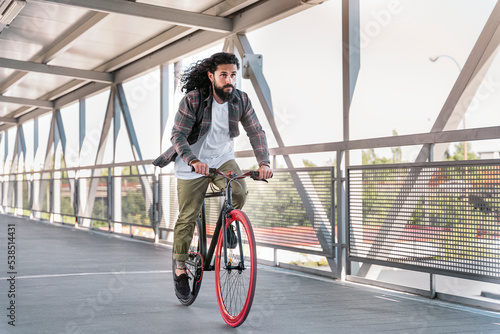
227,207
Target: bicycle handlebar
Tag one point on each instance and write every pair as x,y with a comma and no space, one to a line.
253,174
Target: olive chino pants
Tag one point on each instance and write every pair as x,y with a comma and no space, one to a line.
191,194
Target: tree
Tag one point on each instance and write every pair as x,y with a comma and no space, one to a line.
368,157
460,153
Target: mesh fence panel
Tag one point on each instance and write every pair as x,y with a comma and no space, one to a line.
65,197
100,207
136,209
26,197
292,211
439,216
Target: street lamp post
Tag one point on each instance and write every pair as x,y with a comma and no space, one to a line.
434,59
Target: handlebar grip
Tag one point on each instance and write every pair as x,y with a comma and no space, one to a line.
254,174
211,171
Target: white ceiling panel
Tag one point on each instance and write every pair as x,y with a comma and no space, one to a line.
110,38
74,37
7,108
35,85
196,6
36,27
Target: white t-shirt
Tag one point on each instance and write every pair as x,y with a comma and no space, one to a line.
214,148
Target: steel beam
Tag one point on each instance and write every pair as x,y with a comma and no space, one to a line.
27,102
116,125
60,130
351,59
35,137
10,120
165,101
170,15
392,141
27,66
61,45
22,141
82,123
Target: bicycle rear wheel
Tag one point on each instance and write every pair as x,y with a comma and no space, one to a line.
194,264
235,282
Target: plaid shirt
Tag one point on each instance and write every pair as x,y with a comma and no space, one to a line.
187,130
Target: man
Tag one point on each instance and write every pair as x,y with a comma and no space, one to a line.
205,124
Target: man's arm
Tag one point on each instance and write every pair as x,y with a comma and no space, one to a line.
257,137
184,121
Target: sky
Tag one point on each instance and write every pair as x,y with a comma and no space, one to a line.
398,89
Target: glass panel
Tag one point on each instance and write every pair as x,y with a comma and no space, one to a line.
143,98
399,87
302,64
96,110
70,118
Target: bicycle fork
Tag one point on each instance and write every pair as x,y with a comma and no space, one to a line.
228,263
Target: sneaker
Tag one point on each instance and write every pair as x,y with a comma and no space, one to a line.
182,288
232,239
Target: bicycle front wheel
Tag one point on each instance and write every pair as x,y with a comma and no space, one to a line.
235,278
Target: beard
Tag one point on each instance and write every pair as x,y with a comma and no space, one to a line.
221,93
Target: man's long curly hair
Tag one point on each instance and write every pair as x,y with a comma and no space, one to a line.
196,76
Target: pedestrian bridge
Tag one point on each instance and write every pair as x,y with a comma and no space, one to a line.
88,91
69,280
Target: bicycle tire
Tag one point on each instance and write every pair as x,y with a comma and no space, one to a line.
194,265
235,288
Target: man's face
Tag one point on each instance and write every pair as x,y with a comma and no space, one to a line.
224,81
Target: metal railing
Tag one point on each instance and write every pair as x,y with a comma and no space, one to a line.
441,218
284,216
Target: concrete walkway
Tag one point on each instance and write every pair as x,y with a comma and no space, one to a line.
75,281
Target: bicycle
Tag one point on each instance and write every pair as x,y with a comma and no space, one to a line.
235,262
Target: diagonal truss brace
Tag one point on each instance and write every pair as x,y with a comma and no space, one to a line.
117,101
254,71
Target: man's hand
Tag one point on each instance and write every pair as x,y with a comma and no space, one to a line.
200,168
265,172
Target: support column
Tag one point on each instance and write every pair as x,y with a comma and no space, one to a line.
81,189
35,187
351,64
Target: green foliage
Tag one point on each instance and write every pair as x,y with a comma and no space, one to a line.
460,153
457,200
368,157
134,208
100,209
